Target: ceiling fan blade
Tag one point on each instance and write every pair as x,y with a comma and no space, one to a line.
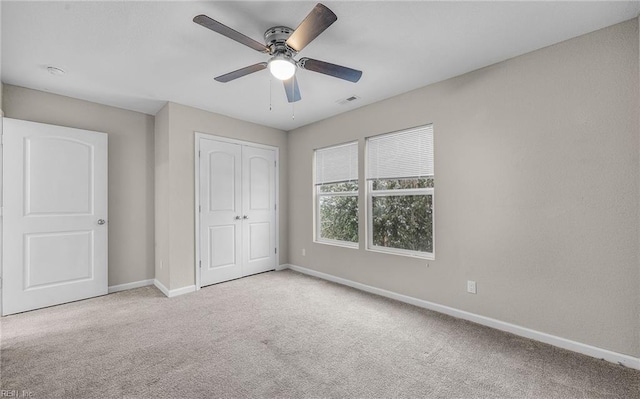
227,77
230,33
292,89
337,71
319,19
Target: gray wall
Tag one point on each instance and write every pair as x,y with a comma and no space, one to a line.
536,196
177,236
130,171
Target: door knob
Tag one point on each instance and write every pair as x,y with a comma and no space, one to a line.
237,218
245,217
101,221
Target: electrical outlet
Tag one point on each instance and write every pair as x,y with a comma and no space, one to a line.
304,252
471,287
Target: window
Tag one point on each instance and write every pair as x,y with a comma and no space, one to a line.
400,184
336,191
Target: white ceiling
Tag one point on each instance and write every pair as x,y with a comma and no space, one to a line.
138,55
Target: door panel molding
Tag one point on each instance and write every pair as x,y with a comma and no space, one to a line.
221,233
78,266
76,167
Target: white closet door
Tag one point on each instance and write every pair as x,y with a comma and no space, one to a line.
258,198
220,211
55,212
237,210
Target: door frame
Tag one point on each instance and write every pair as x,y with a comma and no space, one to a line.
1,201
207,136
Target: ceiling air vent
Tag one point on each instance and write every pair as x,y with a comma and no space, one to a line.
348,100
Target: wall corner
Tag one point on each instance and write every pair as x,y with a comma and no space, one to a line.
161,197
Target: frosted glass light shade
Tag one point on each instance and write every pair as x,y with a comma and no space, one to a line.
281,67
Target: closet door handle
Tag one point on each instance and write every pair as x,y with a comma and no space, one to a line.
237,217
245,217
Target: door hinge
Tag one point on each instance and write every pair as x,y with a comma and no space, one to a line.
200,264
275,164
275,207
199,208
198,153
276,250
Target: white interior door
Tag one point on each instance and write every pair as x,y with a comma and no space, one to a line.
258,198
54,215
220,211
237,210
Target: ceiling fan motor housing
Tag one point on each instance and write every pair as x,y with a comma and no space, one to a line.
275,38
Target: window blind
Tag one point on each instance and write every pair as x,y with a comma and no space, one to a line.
337,164
404,154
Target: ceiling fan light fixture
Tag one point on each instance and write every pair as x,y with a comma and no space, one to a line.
282,67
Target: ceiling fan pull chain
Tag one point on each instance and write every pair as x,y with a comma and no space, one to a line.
293,89
270,96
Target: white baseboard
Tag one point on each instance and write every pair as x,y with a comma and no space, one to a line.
128,286
182,291
172,293
161,287
599,353
282,267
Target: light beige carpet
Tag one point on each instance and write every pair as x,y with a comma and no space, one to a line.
286,335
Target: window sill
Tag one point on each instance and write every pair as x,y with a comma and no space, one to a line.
399,252
337,243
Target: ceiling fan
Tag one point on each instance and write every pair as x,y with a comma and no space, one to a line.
283,44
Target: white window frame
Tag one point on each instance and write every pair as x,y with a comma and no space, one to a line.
318,194
318,235
396,193
371,193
